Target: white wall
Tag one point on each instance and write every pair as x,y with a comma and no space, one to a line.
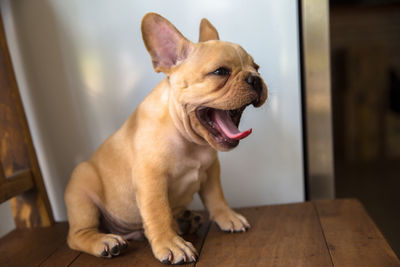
82,68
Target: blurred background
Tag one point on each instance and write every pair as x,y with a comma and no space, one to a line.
365,65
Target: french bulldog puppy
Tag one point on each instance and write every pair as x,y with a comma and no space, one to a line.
142,178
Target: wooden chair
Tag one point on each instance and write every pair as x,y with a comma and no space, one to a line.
20,177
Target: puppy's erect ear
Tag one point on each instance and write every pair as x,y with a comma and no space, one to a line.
207,31
166,45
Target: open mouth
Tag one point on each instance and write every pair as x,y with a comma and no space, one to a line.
223,124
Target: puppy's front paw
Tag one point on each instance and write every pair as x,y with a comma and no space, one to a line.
108,245
230,221
174,250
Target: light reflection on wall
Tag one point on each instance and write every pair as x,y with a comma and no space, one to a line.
92,72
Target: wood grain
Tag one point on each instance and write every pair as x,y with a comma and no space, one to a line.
30,247
18,183
62,256
323,233
282,235
2,174
16,147
139,253
351,235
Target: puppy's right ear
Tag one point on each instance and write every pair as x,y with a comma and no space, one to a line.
166,45
207,31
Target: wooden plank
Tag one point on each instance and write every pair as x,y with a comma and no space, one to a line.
351,235
139,253
63,256
18,183
30,247
282,235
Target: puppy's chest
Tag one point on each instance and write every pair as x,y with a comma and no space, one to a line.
189,171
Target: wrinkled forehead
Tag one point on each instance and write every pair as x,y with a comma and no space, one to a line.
221,54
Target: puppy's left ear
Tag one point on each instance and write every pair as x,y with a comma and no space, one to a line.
207,31
166,45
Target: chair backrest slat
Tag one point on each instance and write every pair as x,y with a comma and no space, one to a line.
20,177
18,183
2,175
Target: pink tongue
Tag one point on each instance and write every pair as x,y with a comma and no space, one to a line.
226,125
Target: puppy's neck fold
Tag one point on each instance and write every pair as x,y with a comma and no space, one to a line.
181,120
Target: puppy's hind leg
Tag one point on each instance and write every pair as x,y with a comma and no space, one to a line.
83,215
188,222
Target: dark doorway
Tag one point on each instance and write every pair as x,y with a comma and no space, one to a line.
365,58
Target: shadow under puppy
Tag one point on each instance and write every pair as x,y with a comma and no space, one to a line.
146,173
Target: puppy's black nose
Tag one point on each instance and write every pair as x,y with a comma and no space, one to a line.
255,82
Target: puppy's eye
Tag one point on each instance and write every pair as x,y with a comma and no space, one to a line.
222,71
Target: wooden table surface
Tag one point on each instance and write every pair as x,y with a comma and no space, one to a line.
320,233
